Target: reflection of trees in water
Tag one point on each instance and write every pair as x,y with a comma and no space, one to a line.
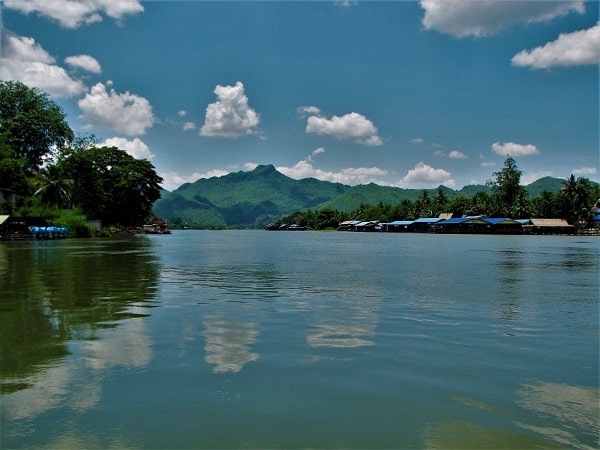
53,292
227,343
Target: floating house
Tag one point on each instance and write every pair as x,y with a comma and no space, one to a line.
399,226
479,225
29,228
547,226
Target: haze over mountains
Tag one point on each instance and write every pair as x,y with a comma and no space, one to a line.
247,199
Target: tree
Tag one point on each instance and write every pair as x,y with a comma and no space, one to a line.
53,188
507,188
33,125
577,199
545,205
440,201
111,185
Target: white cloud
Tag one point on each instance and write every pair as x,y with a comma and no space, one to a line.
350,176
417,140
424,176
230,116
26,61
570,49
182,113
461,18
585,171
455,154
72,14
136,148
514,150
488,164
172,180
353,126
84,62
125,113
305,111
189,126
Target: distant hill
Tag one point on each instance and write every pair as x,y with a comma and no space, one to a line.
245,198
549,184
248,199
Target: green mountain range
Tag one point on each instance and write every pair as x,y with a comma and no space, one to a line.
252,199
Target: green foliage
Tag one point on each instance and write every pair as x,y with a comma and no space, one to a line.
111,185
33,124
76,223
244,198
576,198
512,198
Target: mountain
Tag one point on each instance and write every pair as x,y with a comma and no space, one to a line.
245,198
549,184
251,199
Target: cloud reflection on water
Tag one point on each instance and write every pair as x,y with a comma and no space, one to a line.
575,408
228,343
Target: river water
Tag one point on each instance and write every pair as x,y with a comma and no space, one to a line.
256,339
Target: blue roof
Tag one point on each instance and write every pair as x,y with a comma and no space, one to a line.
427,220
401,222
454,220
497,220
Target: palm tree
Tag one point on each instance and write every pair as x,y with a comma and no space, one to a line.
575,193
53,189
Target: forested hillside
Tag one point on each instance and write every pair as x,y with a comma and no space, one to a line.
263,195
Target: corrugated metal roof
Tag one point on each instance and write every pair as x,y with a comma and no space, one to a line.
503,220
453,220
400,222
428,220
550,223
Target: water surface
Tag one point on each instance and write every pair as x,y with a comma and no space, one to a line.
254,339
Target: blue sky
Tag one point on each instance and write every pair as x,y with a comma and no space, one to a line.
408,94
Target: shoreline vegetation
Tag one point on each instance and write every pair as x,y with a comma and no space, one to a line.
51,178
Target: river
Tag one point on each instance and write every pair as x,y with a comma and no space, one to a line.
256,339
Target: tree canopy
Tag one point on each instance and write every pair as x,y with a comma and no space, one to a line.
47,168
111,185
32,125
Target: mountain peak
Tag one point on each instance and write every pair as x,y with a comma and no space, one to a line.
265,169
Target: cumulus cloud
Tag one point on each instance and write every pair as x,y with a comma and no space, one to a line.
423,176
230,116
189,126
85,62
350,176
352,126
25,60
570,49
455,154
417,140
73,14
514,150
461,18
125,113
585,171
136,148
305,111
